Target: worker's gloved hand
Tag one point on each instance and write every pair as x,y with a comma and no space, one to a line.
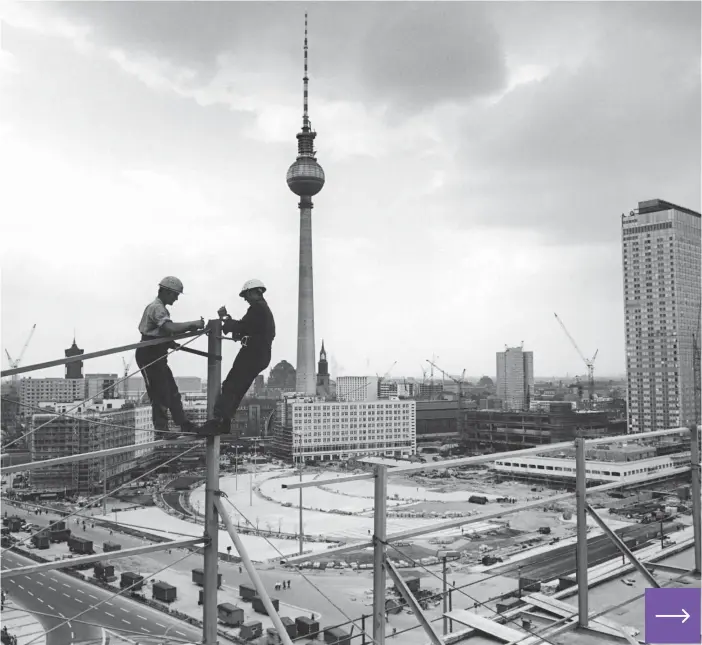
222,312
227,326
197,325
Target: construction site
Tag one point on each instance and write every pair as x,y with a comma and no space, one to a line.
446,551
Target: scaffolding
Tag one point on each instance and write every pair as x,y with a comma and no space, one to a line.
382,566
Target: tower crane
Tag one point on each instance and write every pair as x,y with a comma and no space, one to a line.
16,363
126,374
590,363
460,382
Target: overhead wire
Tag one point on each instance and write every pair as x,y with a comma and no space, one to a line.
83,402
304,577
119,593
114,490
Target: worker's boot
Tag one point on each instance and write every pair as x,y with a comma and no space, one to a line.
214,427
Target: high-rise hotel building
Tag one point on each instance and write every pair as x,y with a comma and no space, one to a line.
661,261
515,378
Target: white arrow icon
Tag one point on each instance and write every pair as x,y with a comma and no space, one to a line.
684,616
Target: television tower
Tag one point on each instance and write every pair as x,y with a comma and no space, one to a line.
305,178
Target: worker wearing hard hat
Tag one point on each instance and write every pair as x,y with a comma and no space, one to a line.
160,385
256,331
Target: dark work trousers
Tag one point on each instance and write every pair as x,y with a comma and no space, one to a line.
160,386
248,364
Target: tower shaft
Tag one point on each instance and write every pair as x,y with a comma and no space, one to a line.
305,379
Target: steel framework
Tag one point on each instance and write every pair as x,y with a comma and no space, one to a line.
382,565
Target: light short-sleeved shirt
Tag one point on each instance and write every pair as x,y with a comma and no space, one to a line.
153,318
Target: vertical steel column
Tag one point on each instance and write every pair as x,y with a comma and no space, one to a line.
581,518
302,540
445,599
214,384
695,492
380,529
104,486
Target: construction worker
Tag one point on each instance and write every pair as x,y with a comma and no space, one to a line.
256,331
160,385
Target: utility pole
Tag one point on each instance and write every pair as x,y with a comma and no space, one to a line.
211,550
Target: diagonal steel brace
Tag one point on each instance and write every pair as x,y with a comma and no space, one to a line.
641,568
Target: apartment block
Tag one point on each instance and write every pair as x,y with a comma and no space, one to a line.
515,378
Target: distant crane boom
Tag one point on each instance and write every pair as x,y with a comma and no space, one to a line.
590,363
16,363
459,411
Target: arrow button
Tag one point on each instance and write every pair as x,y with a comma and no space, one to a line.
673,616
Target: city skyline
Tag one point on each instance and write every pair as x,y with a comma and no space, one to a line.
464,207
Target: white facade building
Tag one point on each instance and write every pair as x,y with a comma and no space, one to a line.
329,430
60,390
357,388
661,267
515,378
597,471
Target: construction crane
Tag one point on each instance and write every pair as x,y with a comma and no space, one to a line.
589,363
384,376
460,382
14,364
126,374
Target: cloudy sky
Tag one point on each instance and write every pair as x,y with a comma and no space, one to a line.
478,158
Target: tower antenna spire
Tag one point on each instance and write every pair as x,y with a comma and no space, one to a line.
305,83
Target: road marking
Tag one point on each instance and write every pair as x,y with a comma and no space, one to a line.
91,595
52,589
138,616
107,613
40,600
143,629
109,603
80,591
21,587
32,595
40,583
126,611
80,601
65,585
43,575
67,596
160,625
50,607
126,621
181,633
72,635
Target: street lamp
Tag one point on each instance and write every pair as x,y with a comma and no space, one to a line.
444,555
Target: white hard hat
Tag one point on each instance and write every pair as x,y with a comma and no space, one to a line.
252,284
172,283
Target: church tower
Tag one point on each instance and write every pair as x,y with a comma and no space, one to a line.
323,374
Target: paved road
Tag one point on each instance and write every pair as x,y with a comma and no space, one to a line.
561,561
56,593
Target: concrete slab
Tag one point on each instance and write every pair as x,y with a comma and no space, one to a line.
485,625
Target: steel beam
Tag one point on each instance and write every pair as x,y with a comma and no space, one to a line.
622,547
123,553
248,565
104,352
481,459
211,551
516,508
97,454
414,605
380,520
581,519
696,494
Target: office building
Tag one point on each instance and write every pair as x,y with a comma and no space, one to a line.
515,378
661,270
357,388
318,430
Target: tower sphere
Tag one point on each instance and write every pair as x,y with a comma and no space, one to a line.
305,177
